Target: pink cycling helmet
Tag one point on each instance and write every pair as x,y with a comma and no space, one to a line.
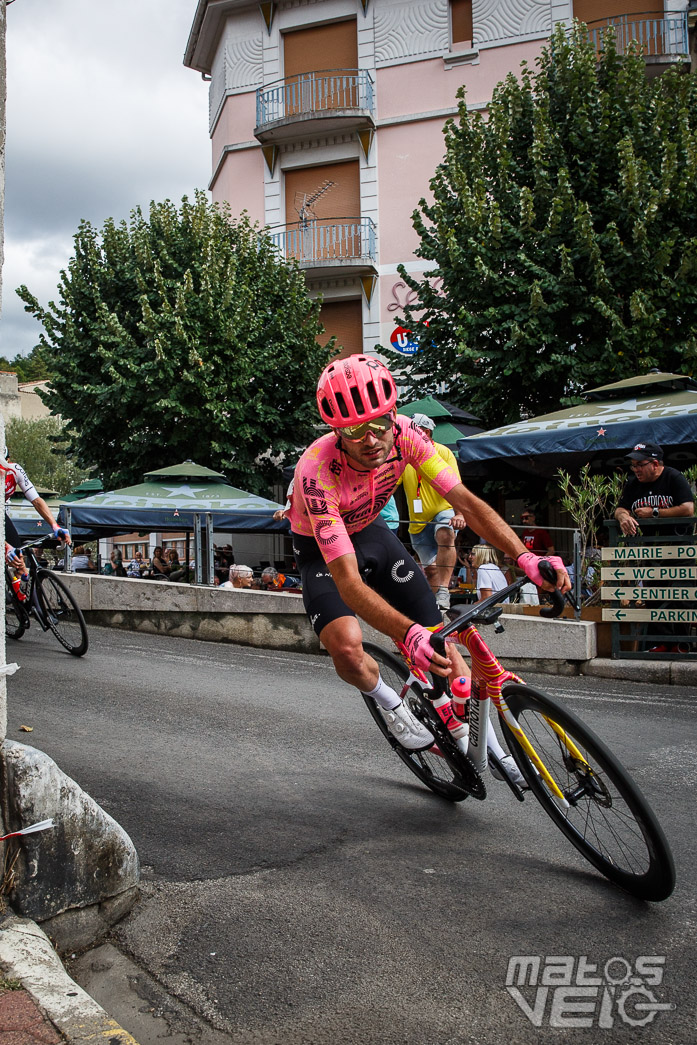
353,390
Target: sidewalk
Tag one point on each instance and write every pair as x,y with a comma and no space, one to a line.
39,1003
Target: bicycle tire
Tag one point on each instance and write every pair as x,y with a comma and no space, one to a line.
450,775
15,615
63,615
609,821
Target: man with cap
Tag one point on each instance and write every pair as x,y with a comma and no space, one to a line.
655,491
432,521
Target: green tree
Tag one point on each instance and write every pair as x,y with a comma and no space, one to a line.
40,446
33,367
182,336
562,235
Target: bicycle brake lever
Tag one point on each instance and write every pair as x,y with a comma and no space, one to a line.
558,600
440,683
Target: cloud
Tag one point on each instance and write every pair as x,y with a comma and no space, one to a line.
102,116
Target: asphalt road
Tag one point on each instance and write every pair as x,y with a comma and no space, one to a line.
299,885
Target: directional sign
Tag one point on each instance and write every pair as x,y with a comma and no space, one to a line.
672,572
650,594
635,552
664,616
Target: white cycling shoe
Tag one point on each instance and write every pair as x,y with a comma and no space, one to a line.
514,773
406,728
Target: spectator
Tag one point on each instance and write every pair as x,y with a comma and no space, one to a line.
136,565
656,491
82,560
159,567
432,522
535,538
177,572
490,576
281,513
272,580
390,514
240,577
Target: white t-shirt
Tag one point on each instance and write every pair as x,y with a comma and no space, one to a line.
489,575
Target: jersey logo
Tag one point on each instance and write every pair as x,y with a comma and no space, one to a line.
335,466
395,575
314,497
324,533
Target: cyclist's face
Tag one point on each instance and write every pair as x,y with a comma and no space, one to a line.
372,451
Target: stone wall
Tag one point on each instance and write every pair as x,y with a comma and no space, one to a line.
278,621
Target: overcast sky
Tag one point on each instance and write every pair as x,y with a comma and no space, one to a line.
101,116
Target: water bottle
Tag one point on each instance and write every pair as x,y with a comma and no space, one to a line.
461,689
20,586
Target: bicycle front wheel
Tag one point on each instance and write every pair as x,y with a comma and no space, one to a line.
447,774
607,817
15,619
63,615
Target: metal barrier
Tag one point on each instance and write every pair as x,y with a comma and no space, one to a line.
330,239
651,580
655,36
303,95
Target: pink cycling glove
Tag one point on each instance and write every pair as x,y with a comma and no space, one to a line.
529,563
417,646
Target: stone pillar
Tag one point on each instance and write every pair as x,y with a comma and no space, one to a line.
3,122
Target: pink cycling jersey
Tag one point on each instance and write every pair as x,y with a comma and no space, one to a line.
332,499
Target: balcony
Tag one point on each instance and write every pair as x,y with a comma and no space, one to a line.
663,42
348,244
338,99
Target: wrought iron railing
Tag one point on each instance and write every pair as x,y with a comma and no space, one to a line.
310,93
328,239
654,36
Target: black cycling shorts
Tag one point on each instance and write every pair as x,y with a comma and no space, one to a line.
384,564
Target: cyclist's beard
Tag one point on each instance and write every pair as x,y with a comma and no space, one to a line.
365,456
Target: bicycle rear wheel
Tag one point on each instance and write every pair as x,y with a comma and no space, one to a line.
63,614
450,774
15,617
607,819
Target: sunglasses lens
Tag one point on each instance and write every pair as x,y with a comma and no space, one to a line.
358,432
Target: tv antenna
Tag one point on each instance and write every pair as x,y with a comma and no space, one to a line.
305,202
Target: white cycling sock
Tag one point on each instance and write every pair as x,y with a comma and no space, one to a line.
492,743
383,695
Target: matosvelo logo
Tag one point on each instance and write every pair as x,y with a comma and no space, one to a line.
562,991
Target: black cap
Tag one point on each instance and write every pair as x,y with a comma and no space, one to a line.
646,452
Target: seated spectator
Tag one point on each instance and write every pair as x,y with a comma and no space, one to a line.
490,576
177,572
82,560
115,567
272,580
159,567
136,565
240,577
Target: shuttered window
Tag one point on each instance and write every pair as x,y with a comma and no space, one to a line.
345,320
600,11
461,21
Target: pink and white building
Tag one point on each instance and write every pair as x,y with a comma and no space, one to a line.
326,120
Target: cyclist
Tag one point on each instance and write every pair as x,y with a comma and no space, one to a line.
16,477
351,563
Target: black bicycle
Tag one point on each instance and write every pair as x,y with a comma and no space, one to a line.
48,601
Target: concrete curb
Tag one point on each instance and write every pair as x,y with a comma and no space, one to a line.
26,954
661,672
